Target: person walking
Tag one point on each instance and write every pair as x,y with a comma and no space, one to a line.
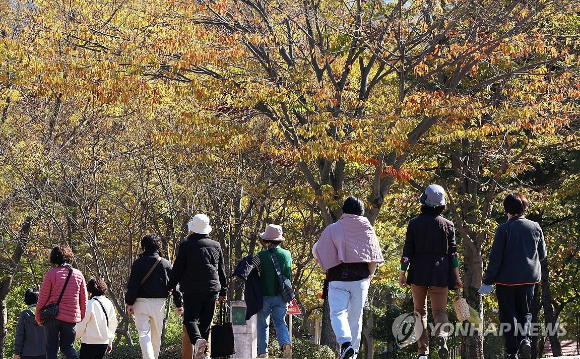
349,252
97,330
274,306
430,256
199,270
514,267
30,339
62,278
146,294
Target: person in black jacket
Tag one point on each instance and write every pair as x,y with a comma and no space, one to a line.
430,254
199,270
146,294
514,267
30,339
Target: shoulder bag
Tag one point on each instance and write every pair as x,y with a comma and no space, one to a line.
50,311
284,283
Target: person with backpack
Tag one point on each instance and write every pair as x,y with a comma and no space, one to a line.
97,329
146,294
30,339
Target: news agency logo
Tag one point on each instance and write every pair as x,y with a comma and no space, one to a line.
405,333
404,329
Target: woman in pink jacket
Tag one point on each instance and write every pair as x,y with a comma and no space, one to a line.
61,332
349,252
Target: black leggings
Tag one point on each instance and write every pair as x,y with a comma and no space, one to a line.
93,351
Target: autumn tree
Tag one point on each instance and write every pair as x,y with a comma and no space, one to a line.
365,82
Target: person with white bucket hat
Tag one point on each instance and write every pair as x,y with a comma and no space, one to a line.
199,269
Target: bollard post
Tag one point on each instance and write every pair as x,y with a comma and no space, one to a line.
244,331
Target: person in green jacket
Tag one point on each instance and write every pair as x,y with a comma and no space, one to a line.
274,305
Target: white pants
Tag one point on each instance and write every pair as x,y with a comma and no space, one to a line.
149,323
346,300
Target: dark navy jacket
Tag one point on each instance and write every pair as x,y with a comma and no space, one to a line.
246,270
30,339
516,252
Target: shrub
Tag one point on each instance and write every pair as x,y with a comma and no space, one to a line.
125,352
171,351
302,349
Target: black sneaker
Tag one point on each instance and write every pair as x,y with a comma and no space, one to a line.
525,349
511,356
443,350
347,352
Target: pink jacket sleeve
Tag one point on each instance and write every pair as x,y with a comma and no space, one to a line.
83,298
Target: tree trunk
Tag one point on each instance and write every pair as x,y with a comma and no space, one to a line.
367,337
472,342
6,282
549,315
327,336
535,309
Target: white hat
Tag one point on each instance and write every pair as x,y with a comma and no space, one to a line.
434,196
272,233
199,224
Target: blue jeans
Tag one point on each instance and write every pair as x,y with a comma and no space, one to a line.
59,333
277,307
346,301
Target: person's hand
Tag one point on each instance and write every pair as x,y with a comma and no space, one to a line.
402,279
223,298
179,311
130,309
485,289
16,356
458,283
109,349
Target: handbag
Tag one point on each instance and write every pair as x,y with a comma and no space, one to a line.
460,307
222,335
286,290
50,311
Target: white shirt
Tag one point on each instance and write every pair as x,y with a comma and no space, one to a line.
93,329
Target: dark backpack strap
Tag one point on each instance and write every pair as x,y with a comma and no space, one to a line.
104,311
150,270
64,287
276,264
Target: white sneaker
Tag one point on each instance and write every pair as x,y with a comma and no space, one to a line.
199,349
